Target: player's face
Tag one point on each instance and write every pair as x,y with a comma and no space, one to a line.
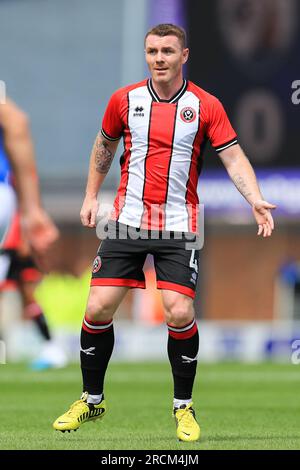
165,58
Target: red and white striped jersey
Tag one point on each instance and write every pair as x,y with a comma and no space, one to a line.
163,146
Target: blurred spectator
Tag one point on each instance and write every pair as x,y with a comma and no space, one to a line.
16,147
17,267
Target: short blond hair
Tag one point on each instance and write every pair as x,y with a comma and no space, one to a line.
168,29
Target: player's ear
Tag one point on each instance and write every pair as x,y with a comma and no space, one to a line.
185,55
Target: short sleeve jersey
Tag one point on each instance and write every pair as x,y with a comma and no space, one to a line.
163,150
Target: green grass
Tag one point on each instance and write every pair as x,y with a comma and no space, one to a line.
238,407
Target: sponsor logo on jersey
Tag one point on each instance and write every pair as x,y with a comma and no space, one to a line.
188,114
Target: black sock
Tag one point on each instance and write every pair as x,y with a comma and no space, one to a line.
97,342
183,345
42,325
35,313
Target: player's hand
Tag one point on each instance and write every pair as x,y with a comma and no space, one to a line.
89,212
39,230
262,213
40,233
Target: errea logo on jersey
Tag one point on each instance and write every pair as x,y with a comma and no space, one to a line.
188,114
139,111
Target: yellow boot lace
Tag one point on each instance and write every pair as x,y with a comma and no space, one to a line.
185,416
77,408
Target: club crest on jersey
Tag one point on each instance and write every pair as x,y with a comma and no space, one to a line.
188,114
97,264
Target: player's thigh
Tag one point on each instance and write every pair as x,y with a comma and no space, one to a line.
103,301
119,263
176,267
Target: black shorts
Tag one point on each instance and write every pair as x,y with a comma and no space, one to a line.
18,269
119,262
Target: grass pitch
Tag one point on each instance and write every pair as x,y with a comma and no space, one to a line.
238,407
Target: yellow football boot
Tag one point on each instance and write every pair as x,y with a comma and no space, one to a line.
80,412
188,429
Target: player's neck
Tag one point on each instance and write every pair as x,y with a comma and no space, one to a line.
166,91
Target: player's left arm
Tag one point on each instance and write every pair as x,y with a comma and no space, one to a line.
38,227
242,174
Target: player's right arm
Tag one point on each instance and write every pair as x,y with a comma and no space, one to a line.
101,158
102,155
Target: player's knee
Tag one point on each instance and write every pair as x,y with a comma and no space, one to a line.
99,311
179,313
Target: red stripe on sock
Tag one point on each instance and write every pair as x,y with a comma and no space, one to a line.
184,334
97,323
94,332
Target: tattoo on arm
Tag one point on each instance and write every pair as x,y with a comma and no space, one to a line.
103,156
241,185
